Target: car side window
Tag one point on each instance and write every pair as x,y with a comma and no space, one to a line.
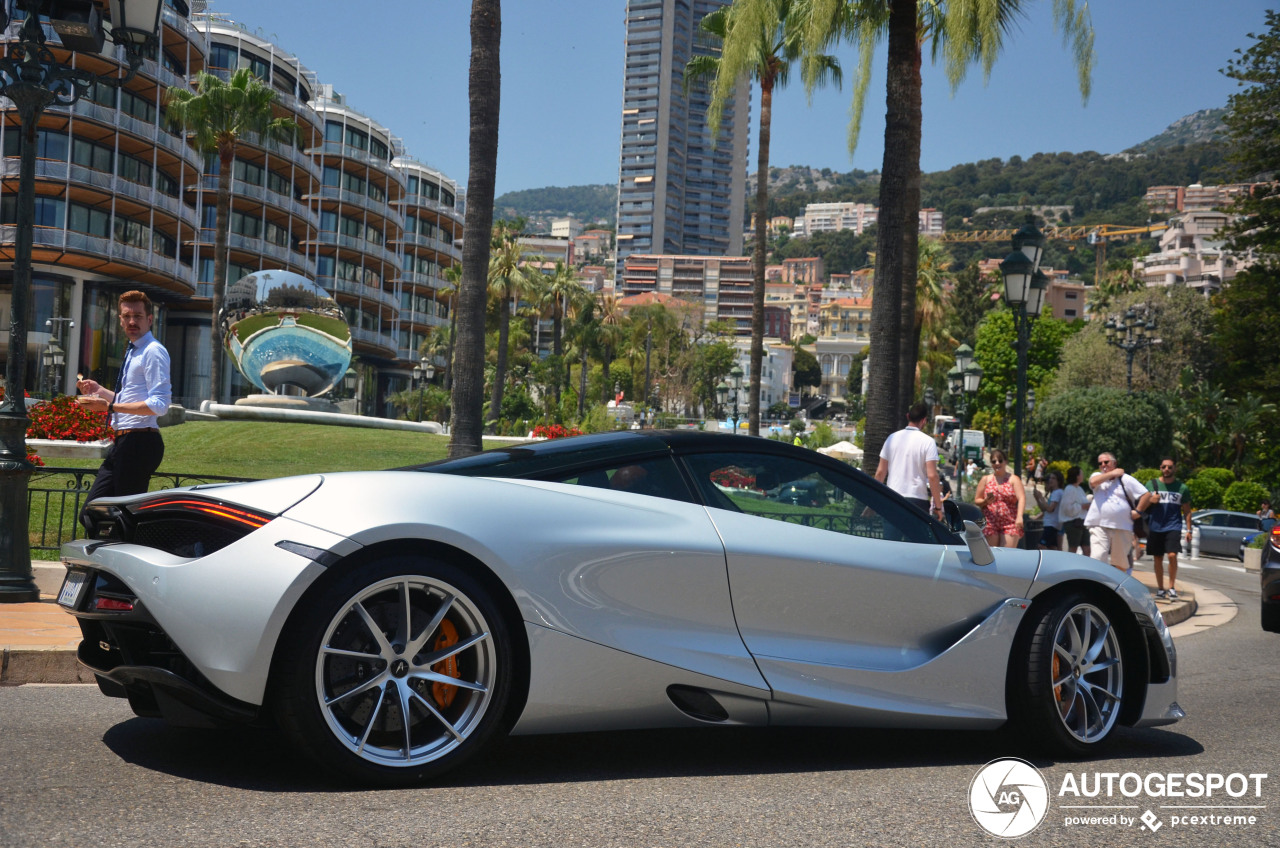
658,478
1216,520
1247,522
797,492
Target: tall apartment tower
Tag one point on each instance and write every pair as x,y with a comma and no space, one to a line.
677,193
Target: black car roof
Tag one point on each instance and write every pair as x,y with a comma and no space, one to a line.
529,458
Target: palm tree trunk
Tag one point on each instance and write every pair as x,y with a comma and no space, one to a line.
582,384
606,391
557,347
484,85
222,226
913,117
500,372
887,322
758,256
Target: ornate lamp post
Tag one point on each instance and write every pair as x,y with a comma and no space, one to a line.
723,390
1130,333
1004,425
962,381
34,79
422,374
1024,290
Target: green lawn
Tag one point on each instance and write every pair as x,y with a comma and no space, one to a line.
257,449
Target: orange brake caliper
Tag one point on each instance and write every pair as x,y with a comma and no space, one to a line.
1056,665
443,692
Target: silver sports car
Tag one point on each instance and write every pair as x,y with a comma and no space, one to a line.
393,622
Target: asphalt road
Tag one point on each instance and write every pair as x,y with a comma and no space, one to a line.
78,769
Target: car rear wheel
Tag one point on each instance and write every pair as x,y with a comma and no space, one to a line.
1067,679
397,672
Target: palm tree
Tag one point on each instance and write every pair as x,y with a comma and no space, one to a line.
930,334
962,33
484,84
759,39
609,336
219,115
561,296
507,281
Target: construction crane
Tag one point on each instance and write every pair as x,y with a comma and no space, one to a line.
1095,234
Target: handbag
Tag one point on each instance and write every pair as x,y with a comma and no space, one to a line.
1141,524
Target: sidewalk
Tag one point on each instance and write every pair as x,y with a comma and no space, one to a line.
39,639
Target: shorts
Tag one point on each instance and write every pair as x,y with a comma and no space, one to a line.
1164,542
1050,539
1077,534
1108,544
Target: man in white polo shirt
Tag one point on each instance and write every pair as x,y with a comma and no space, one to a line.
909,463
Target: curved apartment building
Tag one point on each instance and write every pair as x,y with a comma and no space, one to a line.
124,201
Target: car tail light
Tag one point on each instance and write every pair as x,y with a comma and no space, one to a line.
101,604
180,523
1275,536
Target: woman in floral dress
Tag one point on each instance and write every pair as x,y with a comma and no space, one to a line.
1003,500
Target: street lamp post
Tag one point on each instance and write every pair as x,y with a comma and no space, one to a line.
962,381
1130,333
1004,422
33,79
723,392
1024,291
422,374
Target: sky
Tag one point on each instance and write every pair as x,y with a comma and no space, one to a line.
405,65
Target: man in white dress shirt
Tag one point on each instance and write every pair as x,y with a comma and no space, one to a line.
141,395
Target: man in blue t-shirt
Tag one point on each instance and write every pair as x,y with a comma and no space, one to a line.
1168,506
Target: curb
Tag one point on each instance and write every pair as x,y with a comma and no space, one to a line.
20,666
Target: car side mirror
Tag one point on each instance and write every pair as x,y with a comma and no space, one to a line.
979,550
951,510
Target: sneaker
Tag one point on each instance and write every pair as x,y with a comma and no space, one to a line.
1173,594
1161,594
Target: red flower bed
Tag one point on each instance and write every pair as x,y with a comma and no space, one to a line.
555,431
733,478
63,418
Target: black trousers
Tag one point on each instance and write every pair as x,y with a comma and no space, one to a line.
127,468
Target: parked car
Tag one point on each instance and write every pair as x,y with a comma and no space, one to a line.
1271,581
393,623
1225,533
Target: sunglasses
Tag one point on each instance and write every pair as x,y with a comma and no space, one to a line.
1106,462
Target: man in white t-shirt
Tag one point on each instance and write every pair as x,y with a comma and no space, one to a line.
1111,515
909,463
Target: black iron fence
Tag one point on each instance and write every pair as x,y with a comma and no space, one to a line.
55,496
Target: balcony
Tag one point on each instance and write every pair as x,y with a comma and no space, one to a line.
355,154
362,291
66,240
358,244
382,342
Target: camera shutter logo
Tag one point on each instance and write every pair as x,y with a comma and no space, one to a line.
1008,798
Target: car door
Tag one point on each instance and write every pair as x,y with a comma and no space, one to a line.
833,593
1213,538
1240,529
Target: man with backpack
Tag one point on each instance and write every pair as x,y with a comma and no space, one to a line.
1168,507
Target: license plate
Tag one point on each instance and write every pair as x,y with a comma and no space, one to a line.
71,586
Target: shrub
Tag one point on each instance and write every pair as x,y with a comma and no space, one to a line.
1222,476
1080,423
1145,475
1205,492
1259,541
1244,497
823,435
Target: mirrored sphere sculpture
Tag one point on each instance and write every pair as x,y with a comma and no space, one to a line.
285,333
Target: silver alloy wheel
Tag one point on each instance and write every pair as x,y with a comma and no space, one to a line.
1088,673
405,646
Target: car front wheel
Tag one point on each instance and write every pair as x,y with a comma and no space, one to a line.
1067,679
396,673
